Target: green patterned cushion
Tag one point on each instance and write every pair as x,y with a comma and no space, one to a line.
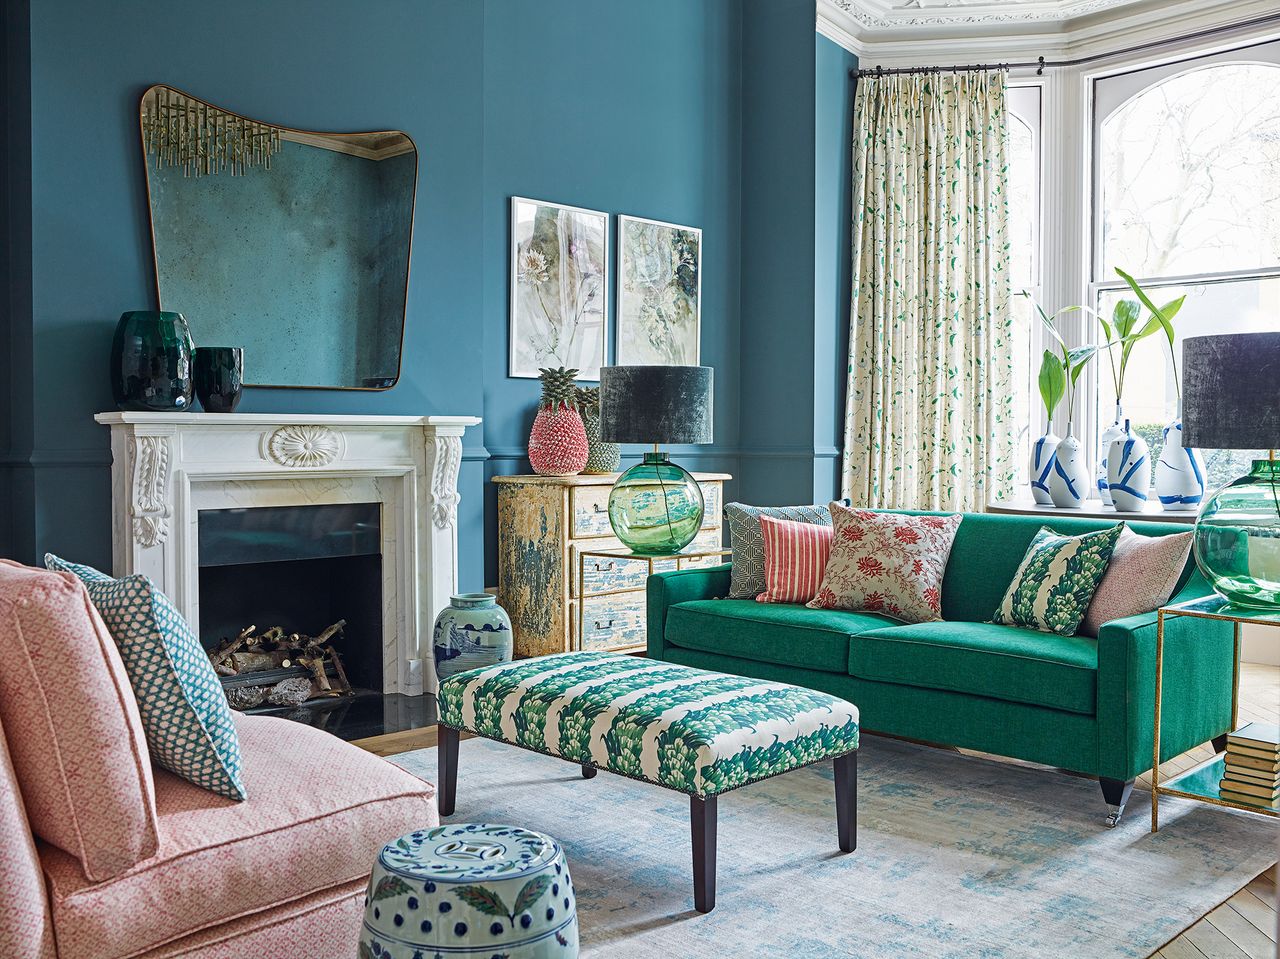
1055,582
185,715
694,731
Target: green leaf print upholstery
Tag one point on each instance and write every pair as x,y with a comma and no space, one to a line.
690,730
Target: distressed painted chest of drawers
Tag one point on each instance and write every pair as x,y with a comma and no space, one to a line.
543,523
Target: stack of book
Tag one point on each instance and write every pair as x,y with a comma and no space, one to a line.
1253,765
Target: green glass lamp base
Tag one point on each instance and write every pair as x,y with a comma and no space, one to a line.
656,507
1237,538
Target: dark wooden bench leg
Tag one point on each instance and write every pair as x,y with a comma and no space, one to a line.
846,770
1220,743
447,789
588,772
702,819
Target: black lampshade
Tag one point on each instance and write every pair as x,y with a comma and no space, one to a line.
655,404
1231,391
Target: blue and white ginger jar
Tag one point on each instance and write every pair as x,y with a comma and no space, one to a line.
1180,472
473,630
1069,478
1041,467
1129,471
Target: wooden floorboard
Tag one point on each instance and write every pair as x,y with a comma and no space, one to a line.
1243,927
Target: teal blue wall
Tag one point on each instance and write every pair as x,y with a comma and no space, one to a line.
832,272
626,107
695,111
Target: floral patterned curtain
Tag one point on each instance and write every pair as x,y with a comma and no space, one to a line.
929,410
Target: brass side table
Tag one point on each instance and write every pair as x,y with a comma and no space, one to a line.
621,575
1201,782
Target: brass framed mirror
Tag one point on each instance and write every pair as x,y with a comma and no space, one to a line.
292,244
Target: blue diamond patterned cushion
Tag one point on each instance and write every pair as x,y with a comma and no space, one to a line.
184,712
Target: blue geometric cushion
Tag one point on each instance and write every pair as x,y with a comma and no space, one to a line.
184,712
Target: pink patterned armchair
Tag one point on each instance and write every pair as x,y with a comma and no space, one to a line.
104,857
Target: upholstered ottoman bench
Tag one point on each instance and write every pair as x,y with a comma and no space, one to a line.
697,732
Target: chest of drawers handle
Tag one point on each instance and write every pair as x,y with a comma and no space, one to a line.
606,568
602,626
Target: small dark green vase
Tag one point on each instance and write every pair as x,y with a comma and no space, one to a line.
219,376
151,362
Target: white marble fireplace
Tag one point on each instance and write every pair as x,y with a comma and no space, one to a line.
167,467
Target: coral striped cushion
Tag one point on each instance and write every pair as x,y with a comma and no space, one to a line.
795,557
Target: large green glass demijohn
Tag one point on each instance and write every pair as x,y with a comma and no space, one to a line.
656,506
1229,403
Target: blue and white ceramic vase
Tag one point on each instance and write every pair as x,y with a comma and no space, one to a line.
473,630
1112,433
1069,478
470,889
1042,451
1180,472
1129,471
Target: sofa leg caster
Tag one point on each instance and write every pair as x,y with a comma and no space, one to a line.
1115,792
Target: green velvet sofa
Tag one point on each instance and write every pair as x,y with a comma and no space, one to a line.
1074,702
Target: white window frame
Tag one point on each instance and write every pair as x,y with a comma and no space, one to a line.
1068,242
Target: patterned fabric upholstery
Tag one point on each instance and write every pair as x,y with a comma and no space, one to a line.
1055,583
1140,577
75,736
694,731
320,926
318,812
746,579
185,714
25,929
795,556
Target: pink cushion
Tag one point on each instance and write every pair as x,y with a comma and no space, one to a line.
1141,576
25,929
320,926
72,724
795,554
888,563
318,812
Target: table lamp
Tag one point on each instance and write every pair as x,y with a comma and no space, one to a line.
656,507
1231,400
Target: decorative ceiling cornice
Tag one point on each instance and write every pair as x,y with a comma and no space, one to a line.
879,15
912,32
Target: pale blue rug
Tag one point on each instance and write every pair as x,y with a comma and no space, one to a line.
958,858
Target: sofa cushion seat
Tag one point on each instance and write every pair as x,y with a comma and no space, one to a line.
999,662
318,812
770,633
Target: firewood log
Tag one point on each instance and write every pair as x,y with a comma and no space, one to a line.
293,691
255,662
228,648
320,678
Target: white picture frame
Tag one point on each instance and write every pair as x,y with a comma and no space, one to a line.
659,306
554,245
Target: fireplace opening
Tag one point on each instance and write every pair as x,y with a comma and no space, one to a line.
300,568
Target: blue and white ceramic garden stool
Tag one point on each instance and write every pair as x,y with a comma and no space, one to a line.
470,889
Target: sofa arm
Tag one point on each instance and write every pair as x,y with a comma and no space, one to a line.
680,586
1199,660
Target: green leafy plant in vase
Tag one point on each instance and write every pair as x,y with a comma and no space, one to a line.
1067,480
1180,471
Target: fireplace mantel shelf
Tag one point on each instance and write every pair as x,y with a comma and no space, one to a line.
168,467
277,419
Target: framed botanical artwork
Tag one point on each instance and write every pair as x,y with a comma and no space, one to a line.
559,288
659,293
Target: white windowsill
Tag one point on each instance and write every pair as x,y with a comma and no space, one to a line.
1093,509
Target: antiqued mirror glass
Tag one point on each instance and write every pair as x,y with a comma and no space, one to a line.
291,244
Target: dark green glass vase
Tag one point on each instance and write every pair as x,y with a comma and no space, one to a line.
219,377
656,507
151,362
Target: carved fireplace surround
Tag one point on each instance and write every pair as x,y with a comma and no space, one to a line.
167,467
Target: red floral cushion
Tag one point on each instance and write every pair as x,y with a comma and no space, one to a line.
887,563
795,555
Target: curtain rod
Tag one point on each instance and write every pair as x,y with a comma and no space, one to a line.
1040,63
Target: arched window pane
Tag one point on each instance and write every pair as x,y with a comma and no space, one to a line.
1190,174
1022,202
